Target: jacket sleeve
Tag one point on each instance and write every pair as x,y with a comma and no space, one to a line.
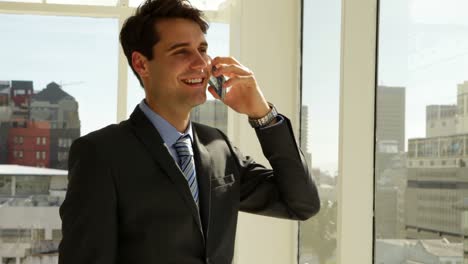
88,213
285,191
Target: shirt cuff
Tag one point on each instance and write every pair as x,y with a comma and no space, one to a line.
279,121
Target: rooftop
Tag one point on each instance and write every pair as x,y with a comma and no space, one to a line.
442,247
53,93
14,170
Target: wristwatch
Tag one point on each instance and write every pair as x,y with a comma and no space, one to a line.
266,120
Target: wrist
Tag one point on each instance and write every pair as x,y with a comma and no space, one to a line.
261,112
265,120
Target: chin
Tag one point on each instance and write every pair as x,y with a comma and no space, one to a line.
201,100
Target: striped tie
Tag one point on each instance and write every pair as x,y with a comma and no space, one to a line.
184,150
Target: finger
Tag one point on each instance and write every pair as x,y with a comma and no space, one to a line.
212,91
231,70
225,60
238,80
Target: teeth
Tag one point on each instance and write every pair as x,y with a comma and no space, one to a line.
192,81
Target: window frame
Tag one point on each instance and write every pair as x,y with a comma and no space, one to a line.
359,53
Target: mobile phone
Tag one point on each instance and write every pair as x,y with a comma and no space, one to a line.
217,83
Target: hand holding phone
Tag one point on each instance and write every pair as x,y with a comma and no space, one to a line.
217,83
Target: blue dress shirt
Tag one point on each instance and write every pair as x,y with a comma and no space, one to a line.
170,134
167,131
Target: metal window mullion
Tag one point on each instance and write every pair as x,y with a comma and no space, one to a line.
122,83
356,147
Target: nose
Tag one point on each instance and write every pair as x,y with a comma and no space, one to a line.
200,61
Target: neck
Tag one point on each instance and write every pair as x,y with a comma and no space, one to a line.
177,117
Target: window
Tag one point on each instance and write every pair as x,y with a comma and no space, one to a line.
320,125
423,54
57,83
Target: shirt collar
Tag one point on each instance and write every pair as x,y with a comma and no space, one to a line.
167,131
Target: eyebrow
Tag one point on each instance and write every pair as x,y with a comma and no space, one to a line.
185,44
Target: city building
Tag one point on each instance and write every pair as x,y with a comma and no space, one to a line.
211,113
441,120
462,206
391,116
390,163
386,211
326,185
4,129
30,226
437,174
304,136
28,143
399,251
5,109
462,120
36,129
54,105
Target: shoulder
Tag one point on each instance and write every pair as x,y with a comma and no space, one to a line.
106,137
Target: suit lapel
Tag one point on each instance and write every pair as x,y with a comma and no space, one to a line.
203,163
150,138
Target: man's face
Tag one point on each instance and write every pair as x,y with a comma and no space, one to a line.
179,70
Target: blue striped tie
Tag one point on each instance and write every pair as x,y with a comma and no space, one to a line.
184,150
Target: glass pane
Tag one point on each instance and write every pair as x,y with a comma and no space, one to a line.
319,124
200,4
58,81
213,112
421,180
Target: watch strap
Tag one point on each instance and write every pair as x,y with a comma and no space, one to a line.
266,120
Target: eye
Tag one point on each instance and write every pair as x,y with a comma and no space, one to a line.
181,52
203,50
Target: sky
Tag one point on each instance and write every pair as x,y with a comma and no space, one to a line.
423,46
79,53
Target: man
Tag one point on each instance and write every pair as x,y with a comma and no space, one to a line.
157,188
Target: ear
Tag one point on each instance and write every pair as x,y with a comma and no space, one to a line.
140,64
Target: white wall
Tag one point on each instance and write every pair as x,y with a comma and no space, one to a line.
266,38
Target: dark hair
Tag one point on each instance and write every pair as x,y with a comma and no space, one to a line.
139,32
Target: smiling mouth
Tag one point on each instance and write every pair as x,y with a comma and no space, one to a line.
194,81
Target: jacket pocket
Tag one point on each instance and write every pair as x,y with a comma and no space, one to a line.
223,181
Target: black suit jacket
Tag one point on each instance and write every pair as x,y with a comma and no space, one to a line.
128,202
